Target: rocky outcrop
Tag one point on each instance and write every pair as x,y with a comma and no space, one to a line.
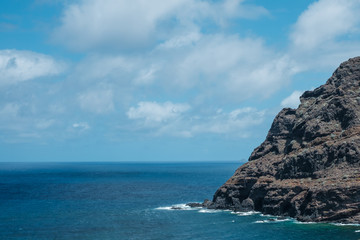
308,167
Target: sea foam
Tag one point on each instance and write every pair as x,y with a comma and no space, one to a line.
346,224
209,210
176,207
246,213
273,220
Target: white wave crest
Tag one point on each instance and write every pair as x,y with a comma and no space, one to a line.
176,207
209,210
266,215
246,213
272,220
346,224
298,222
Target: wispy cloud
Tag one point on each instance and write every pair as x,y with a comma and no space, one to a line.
97,101
82,126
176,120
153,112
237,122
19,123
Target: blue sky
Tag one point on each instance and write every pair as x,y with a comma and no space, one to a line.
175,80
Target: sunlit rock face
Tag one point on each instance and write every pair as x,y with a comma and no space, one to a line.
308,167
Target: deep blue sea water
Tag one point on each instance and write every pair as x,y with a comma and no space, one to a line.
107,201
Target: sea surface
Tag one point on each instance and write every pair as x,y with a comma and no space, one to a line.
107,201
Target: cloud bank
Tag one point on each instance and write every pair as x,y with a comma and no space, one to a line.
176,68
121,24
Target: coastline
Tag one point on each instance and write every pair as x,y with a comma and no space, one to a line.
268,218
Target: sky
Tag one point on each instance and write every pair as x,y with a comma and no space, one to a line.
160,81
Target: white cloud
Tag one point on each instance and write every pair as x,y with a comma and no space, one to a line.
175,120
121,24
182,58
153,112
236,122
325,34
215,66
97,23
180,41
97,101
17,66
146,76
237,9
293,100
324,21
230,67
82,126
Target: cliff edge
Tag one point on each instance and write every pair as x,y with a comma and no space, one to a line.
308,167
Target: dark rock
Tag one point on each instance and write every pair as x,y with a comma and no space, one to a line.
308,167
194,205
176,208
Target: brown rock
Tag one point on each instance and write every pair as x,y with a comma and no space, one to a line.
308,167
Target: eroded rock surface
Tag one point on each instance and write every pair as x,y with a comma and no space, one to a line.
308,167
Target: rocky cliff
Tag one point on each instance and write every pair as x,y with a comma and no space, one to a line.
308,167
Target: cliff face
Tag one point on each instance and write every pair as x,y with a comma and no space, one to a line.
308,167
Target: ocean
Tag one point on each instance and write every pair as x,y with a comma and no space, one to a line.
108,201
